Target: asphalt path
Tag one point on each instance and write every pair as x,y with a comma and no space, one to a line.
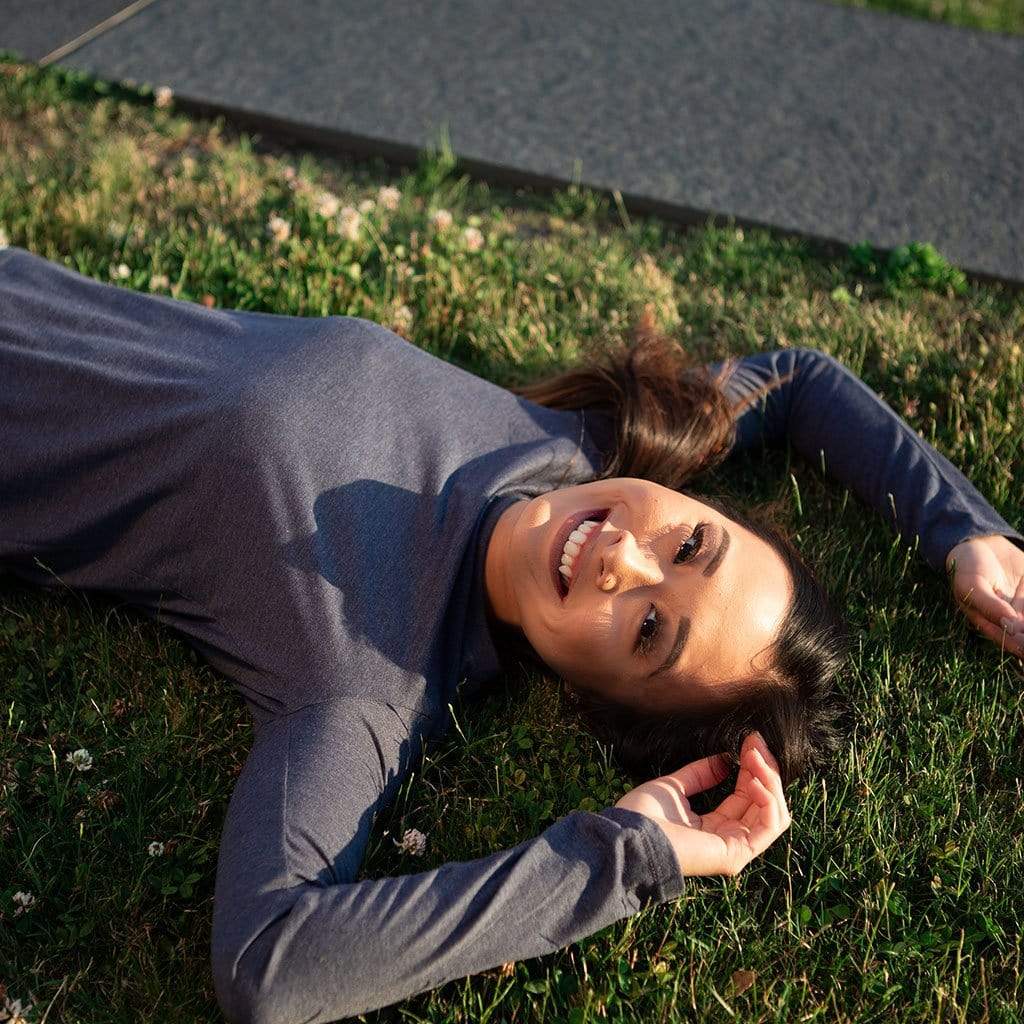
835,123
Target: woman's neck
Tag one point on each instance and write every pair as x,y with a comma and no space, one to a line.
501,600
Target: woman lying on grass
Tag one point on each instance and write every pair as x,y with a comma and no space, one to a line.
348,528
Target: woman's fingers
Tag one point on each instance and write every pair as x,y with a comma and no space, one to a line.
1005,639
1016,601
755,741
771,822
773,785
697,776
764,770
763,797
762,800
979,596
759,795
762,764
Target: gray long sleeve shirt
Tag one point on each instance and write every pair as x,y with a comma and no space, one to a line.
308,502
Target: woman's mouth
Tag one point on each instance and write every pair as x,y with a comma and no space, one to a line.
566,559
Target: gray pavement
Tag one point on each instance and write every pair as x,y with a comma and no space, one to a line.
34,28
831,122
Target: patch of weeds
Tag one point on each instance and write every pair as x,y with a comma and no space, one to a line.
917,265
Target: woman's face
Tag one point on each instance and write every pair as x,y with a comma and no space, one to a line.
662,601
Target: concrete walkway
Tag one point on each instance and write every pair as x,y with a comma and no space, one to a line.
835,123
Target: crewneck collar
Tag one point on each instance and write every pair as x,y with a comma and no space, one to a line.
480,660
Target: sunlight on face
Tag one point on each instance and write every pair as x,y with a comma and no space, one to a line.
666,599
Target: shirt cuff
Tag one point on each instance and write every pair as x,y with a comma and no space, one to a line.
658,877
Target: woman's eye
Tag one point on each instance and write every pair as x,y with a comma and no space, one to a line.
649,630
691,545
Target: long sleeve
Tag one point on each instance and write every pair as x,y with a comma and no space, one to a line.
828,414
296,939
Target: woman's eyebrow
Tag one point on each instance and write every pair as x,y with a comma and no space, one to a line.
716,558
677,647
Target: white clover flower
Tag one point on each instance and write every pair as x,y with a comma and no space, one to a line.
163,96
474,239
158,281
389,197
120,272
24,901
4,238
366,205
81,759
279,228
155,849
441,220
349,221
327,204
414,842
401,320
115,229
13,1012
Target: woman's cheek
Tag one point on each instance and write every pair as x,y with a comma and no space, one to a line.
593,649
580,645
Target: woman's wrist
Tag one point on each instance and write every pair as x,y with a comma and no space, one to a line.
957,550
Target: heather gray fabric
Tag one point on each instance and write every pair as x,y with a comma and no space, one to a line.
833,419
308,501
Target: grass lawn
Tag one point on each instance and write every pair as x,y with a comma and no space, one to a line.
993,15
896,894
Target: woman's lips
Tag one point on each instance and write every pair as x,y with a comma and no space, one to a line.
558,544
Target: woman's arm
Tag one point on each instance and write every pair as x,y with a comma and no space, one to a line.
295,938
832,418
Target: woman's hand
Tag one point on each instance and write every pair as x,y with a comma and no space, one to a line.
988,581
742,826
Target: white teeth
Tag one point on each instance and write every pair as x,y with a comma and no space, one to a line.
573,546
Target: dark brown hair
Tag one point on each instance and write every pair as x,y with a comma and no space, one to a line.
671,420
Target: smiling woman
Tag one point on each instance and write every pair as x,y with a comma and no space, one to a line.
267,486
679,625
653,613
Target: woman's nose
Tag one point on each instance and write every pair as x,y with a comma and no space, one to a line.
624,562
